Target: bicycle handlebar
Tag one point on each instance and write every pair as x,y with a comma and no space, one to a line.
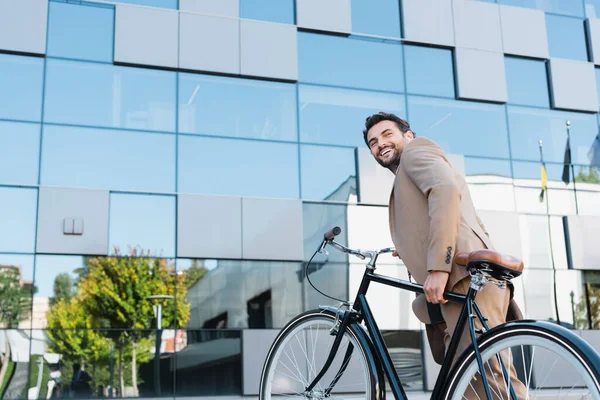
362,254
333,232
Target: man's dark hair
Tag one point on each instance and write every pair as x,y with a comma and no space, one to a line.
374,119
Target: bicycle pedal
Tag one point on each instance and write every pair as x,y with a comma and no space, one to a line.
480,331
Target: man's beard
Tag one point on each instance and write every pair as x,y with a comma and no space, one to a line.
393,161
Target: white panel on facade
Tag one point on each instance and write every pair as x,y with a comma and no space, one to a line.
269,50
428,21
208,43
256,344
374,182
87,211
592,28
209,226
227,8
504,230
573,85
319,15
583,237
477,25
524,32
480,75
23,25
146,36
272,229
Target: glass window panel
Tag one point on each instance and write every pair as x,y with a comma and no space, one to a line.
108,159
142,223
316,217
237,107
337,116
330,278
566,7
22,75
268,10
212,166
461,127
172,4
18,213
592,8
587,189
19,153
490,184
527,82
339,61
566,37
81,31
17,283
320,181
210,364
376,17
529,125
111,96
429,71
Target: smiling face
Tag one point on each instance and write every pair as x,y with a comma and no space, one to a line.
386,142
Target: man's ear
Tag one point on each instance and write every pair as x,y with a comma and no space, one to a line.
410,134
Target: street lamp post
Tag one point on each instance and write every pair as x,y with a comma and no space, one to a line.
157,307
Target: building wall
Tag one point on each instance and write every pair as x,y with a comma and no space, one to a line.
224,138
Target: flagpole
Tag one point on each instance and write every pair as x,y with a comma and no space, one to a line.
572,167
550,241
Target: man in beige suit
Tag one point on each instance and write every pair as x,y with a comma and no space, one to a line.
432,218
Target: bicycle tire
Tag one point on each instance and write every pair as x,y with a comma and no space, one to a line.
551,337
375,389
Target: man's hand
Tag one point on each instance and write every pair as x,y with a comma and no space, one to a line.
395,254
434,287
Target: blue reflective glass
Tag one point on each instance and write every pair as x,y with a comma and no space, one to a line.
592,8
108,159
268,10
237,167
48,269
528,126
376,17
339,61
527,82
461,127
110,96
143,222
336,184
532,170
81,31
485,167
18,213
566,7
566,37
236,107
23,262
22,75
19,153
429,71
598,83
172,4
337,116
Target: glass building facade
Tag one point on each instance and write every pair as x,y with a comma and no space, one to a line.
197,151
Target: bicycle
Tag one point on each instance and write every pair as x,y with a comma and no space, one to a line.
290,368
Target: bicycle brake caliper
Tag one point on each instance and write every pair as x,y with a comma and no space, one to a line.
336,325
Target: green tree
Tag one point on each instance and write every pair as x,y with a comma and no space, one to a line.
581,309
114,294
193,273
591,177
64,287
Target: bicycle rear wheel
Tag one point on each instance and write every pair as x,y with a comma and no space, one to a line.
541,360
299,352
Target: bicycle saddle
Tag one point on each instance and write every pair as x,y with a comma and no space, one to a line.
497,265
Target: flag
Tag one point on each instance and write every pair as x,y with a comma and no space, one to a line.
566,175
544,182
594,152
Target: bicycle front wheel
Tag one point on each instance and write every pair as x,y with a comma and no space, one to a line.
540,360
298,354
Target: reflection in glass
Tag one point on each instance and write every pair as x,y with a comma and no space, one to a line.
376,17
22,75
490,184
212,166
172,4
142,224
527,82
18,213
240,294
16,292
318,219
104,95
336,184
461,127
566,7
566,37
337,116
429,71
587,184
529,125
14,358
108,159
592,8
81,31
339,61
234,107
19,153
268,10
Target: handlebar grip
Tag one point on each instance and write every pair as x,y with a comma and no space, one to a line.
333,232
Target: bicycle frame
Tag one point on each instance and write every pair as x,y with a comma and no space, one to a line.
361,312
